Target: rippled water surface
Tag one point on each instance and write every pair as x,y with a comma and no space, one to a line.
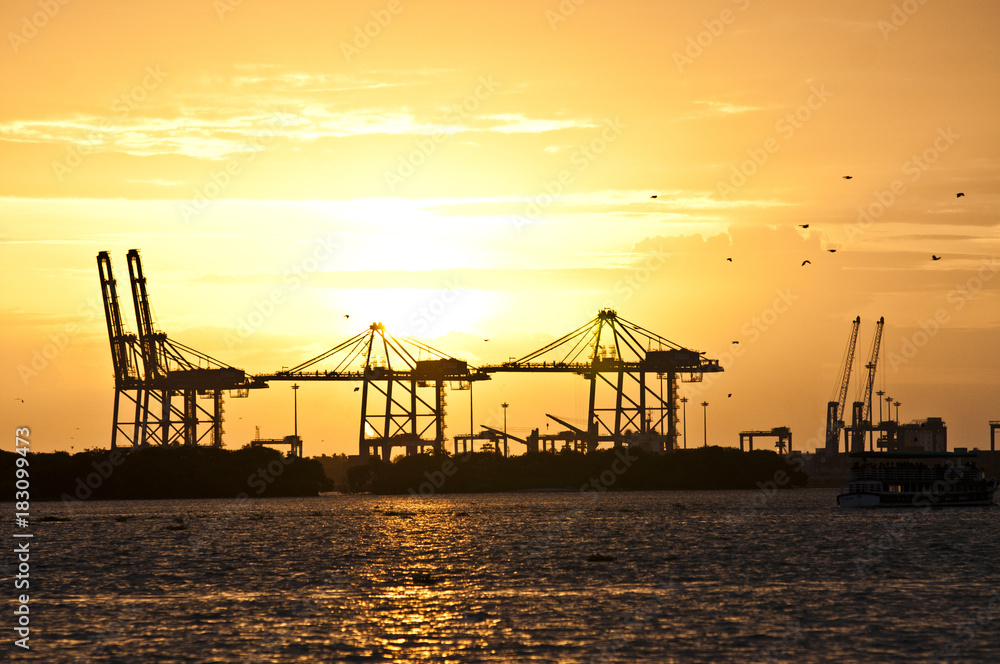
531,577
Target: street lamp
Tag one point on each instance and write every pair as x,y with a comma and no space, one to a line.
295,393
704,405
684,413
896,404
504,406
880,393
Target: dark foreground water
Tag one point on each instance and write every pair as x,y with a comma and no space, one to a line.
695,577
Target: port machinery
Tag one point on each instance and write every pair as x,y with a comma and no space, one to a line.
403,382
861,409
154,372
621,361
403,385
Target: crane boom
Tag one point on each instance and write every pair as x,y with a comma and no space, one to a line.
835,409
871,367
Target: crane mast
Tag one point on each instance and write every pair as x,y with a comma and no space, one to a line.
835,409
861,423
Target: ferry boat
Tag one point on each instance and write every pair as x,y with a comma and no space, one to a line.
916,479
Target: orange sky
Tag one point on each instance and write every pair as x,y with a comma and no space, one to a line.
500,159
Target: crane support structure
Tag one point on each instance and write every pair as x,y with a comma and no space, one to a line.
151,370
861,414
835,408
619,359
403,387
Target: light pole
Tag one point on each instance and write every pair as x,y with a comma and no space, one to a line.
896,404
684,414
880,393
504,406
704,405
295,394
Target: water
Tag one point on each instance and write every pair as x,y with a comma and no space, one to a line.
729,576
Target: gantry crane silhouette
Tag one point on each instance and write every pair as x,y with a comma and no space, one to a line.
403,387
151,370
835,408
861,409
618,357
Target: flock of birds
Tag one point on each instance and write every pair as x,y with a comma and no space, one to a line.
833,251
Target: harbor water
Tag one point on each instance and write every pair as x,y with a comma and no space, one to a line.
687,577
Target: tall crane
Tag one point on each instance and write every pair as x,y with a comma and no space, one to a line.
168,369
861,416
835,409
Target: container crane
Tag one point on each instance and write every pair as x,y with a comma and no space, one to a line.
861,415
835,409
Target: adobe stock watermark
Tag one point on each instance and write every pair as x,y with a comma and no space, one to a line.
431,311
371,30
294,278
957,297
104,136
581,159
913,168
43,355
562,12
714,28
639,276
972,627
751,332
786,127
426,145
901,14
220,179
32,25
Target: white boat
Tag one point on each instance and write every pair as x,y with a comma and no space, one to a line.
916,479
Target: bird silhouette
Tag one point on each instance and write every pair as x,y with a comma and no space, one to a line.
730,260
959,195
19,399
485,339
832,251
736,342
807,262
848,177
347,315
653,196
730,394
935,258
356,389
803,225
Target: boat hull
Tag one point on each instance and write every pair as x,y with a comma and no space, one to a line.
874,499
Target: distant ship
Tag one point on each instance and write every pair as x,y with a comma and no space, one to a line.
916,479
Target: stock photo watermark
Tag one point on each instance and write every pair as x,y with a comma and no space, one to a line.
581,159
928,328
913,168
714,27
786,127
35,23
426,145
104,138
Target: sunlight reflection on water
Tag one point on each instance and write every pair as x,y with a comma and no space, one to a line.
540,577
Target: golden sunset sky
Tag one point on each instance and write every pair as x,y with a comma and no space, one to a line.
471,170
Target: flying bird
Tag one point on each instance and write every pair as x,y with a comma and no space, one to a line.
736,342
730,260
807,262
653,196
803,225
19,399
848,177
730,394
935,258
485,339
356,389
347,315
832,251
959,195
